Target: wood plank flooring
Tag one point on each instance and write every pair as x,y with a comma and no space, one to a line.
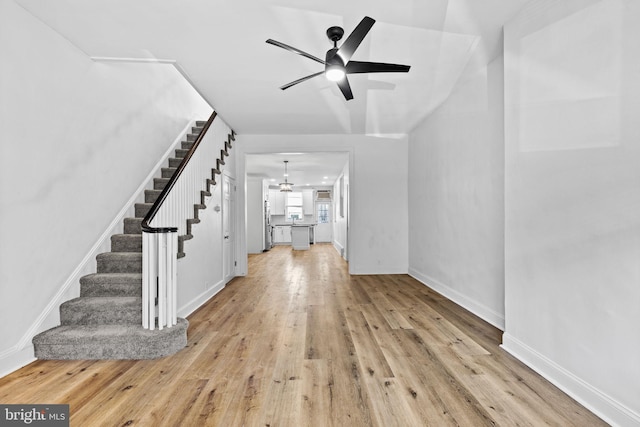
298,342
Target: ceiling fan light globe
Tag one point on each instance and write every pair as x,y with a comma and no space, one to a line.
335,74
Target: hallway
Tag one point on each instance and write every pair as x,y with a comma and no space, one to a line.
300,342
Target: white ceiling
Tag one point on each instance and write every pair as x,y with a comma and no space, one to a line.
305,169
221,47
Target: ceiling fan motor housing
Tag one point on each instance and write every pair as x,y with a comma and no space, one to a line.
332,58
335,33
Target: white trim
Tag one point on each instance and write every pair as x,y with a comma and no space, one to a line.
479,309
604,406
15,358
339,248
50,317
201,299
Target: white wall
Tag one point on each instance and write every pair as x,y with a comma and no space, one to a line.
340,222
378,194
456,203
77,139
572,201
255,215
200,272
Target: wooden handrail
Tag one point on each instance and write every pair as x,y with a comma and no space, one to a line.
174,178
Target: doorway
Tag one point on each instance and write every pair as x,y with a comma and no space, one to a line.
228,227
323,228
310,171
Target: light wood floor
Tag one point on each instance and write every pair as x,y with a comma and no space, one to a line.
300,343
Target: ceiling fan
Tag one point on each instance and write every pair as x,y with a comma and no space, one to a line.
337,62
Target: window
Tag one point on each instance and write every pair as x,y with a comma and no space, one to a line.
323,213
294,206
294,198
294,212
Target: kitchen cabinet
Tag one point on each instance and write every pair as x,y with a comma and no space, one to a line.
277,202
307,202
282,234
302,236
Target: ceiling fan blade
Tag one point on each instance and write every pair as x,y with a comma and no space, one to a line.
288,85
355,38
354,67
294,50
345,88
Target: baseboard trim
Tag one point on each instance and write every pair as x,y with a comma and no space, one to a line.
607,408
15,358
339,248
200,300
20,354
480,310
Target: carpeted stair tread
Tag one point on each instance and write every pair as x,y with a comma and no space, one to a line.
93,342
160,183
133,225
119,262
151,196
111,285
141,209
168,172
126,243
102,311
181,153
174,163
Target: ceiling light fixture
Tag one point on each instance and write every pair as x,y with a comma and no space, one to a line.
286,185
335,73
334,66
338,63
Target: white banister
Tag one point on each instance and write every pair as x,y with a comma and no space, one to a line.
159,296
167,219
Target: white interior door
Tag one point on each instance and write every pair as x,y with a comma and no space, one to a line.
228,227
323,218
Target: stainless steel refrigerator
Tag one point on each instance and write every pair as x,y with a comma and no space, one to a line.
268,243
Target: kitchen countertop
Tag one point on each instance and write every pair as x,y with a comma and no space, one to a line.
297,224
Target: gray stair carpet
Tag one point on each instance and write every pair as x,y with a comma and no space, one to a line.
105,322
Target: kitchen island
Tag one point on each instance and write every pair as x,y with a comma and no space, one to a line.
301,236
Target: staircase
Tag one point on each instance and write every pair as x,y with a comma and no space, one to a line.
105,322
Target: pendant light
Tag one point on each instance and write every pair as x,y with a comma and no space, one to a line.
286,185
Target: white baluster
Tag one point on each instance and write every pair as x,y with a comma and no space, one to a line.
152,279
145,279
173,275
162,279
160,249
